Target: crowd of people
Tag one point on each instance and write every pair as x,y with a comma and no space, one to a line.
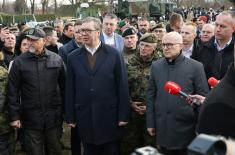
106,79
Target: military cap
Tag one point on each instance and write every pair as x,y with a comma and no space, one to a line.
149,38
159,25
128,31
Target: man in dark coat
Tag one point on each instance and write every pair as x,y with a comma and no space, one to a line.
97,98
64,51
38,78
218,110
75,43
217,54
8,49
67,34
170,117
217,113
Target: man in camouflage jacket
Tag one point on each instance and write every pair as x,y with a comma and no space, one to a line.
6,132
138,75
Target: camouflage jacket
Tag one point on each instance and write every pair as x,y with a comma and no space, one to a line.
4,120
159,46
128,53
138,75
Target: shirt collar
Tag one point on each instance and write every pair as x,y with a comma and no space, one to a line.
188,52
106,36
92,50
221,48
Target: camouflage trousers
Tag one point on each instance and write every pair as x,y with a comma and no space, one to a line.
136,135
7,143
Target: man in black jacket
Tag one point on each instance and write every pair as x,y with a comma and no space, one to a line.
218,110
38,77
217,54
8,49
68,33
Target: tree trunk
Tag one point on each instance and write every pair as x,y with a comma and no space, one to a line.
55,1
3,5
32,2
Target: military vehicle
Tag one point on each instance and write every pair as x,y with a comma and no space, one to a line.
153,8
126,8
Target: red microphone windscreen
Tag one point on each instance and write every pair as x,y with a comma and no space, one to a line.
212,81
172,88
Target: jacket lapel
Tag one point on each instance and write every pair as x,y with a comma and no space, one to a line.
84,60
100,59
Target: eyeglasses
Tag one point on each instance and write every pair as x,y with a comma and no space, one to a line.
79,31
168,45
87,31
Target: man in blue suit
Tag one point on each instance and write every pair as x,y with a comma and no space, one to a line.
75,43
64,51
97,98
108,36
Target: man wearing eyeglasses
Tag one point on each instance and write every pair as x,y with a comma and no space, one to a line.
37,77
97,98
169,117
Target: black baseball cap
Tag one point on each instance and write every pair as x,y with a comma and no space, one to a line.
35,33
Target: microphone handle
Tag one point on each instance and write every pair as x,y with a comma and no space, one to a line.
183,94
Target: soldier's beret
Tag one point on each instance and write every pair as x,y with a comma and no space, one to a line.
121,23
149,38
128,31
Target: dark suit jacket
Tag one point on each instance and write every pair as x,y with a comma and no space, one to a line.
66,49
97,99
215,62
218,110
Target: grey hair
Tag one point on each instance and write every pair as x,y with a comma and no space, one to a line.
97,22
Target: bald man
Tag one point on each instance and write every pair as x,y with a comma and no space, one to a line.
169,117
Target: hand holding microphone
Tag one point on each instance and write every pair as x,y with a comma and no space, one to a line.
174,89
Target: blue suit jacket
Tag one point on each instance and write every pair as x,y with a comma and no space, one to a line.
97,99
67,48
119,43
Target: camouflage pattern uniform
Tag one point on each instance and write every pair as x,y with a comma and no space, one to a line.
159,46
128,53
6,132
138,75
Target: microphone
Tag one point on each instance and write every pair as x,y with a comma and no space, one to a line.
212,82
174,89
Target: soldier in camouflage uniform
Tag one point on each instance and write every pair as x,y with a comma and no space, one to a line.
138,75
130,43
160,31
6,132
